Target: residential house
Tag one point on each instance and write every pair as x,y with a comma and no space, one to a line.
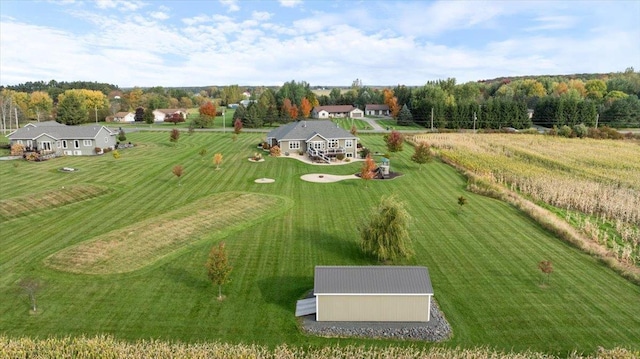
336,111
128,117
377,110
320,139
51,137
160,114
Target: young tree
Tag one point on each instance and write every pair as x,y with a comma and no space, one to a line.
122,136
202,153
394,141
385,234
366,171
31,287
218,268
174,136
148,116
422,154
462,201
237,126
207,115
547,268
116,154
354,130
178,171
217,160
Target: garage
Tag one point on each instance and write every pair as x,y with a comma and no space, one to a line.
372,293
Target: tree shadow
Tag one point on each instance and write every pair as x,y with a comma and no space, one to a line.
284,291
343,248
186,278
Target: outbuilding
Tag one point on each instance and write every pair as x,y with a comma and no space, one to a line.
372,293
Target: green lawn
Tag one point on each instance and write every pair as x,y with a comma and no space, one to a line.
482,260
394,125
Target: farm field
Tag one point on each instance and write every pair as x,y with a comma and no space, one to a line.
482,259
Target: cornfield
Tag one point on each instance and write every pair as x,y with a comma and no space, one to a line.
595,182
108,347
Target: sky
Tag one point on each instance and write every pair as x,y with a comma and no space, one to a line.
325,43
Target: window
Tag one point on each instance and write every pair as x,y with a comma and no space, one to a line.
46,146
349,155
86,143
58,144
76,143
19,142
294,145
106,139
317,145
348,143
64,143
333,143
29,144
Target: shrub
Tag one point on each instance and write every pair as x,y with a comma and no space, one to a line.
365,152
275,151
17,149
580,130
565,131
98,150
340,156
265,146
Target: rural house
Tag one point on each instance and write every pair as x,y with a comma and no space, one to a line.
372,294
336,111
376,110
160,114
128,117
318,138
51,137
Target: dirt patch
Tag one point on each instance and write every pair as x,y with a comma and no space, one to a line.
264,180
136,246
326,178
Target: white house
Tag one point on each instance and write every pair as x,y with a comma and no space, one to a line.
124,117
160,114
336,111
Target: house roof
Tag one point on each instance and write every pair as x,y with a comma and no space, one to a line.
121,114
376,107
171,111
306,129
335,108
372,280
56,130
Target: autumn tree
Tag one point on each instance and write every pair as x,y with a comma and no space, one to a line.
40,104
385,233
237,126
217,160
286,108
391,101
394,141
305,107
546,267
422,154
367,169
178,171
116,154
354,130
174,135
207,116
218,267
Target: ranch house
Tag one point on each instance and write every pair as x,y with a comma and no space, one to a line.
51,137
318,138
376,110
127,117
160,114
336,111
372,294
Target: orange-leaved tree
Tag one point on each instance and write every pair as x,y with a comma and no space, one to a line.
218,268
217,160
366,172
178,171
305,107
391,101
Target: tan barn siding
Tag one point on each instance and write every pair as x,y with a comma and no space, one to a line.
369,308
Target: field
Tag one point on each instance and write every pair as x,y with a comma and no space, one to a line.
482,259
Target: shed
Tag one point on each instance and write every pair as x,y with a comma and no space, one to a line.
372,293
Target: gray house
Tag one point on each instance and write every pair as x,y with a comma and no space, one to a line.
318,138
51,137
372,294
377,110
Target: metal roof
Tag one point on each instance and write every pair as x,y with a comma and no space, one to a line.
304,130
372,280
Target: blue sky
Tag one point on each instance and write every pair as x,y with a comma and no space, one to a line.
206,42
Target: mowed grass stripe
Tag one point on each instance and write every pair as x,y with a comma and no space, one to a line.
133,247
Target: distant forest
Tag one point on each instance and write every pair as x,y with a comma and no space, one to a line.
610,99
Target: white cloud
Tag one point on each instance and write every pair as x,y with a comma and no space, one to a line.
159,15
261,15
290,3
553,23
231,5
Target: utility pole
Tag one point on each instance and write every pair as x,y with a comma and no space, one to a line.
431,119
95,107
16,111
597,118
224,119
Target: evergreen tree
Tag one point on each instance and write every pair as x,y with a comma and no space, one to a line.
405,118
71,110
